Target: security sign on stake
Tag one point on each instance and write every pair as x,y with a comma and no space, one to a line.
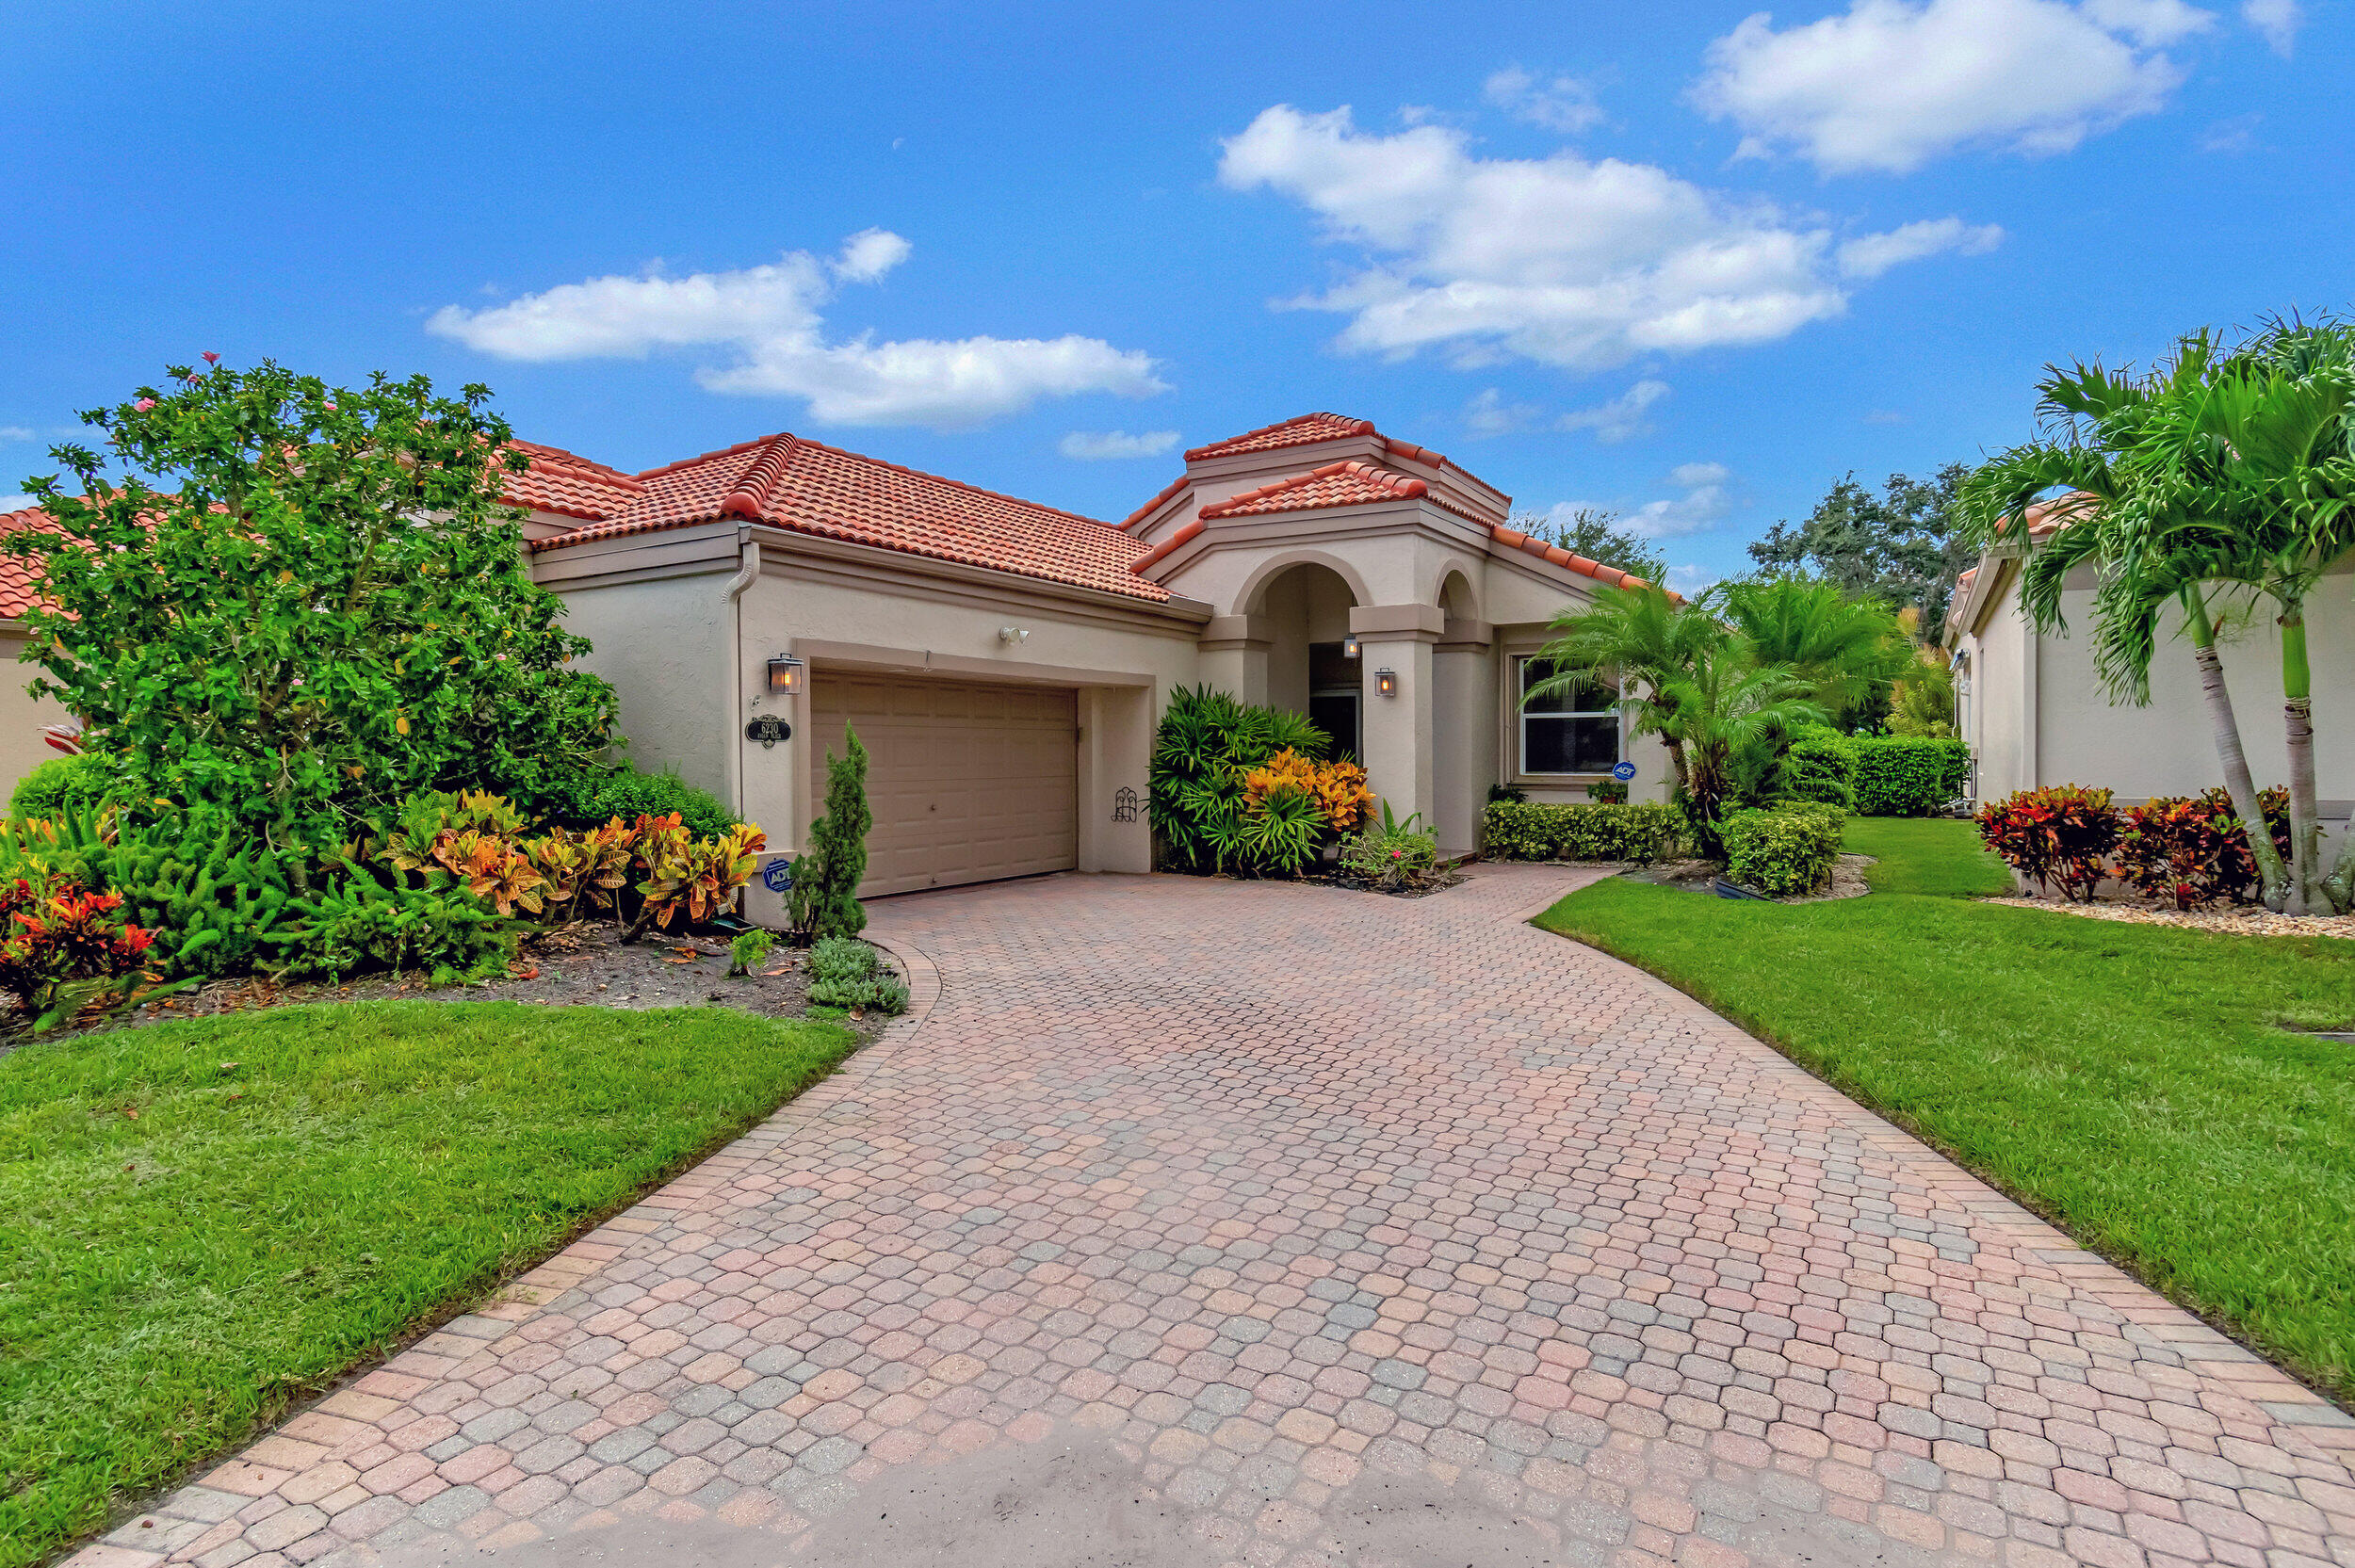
1623,772
777,876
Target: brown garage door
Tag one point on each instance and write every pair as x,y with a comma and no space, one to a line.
968,783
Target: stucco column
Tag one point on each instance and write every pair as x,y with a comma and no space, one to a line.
1234,656
1463,733
1397,730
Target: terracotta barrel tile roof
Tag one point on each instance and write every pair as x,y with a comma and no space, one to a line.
18,589
1336,484
569,485
785,481
1305,430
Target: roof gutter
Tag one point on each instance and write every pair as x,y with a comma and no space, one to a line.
747,573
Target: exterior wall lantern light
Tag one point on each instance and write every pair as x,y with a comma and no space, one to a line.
785,675
1349,646
1386,682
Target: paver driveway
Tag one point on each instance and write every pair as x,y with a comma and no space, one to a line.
1208,1223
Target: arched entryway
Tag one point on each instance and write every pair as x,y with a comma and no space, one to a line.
1312,662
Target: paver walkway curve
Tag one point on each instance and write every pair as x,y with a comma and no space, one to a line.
1216,1224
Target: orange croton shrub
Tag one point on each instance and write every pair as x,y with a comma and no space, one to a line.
1339,788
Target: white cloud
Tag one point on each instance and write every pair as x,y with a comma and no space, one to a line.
868,254
1564,104
1620,419
2276,20
1690,579
15,432
17,503
1562,260
1707,499
770,316
2237,135
1892,84
1883,416
1874,254
1489,414
1104,445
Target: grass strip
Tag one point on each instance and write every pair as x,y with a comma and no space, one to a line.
200,1222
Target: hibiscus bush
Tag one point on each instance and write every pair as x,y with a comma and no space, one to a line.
2059,836
297,604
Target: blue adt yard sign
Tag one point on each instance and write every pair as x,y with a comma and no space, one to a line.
777,876
1624,772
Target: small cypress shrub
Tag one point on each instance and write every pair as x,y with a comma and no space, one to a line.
824,901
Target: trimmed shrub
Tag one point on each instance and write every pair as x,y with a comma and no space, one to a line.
74,783
2195,851
446,934
1539,830
2059,836
1907,775
1783,852
1819,767
591,800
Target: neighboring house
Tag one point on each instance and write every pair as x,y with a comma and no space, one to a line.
22,718
2035,712
1006,663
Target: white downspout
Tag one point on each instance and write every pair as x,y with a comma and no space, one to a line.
746,574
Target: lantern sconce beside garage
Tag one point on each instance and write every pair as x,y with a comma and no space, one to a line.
785,676
1386,682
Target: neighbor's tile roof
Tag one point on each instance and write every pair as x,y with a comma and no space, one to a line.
18,588
786,482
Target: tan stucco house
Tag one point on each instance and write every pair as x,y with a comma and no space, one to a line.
1006,663
2034,712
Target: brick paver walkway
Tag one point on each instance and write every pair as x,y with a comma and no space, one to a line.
1215,1224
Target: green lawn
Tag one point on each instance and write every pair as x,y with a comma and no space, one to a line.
202,1221
2127,1082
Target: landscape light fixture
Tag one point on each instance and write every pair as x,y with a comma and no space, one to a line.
1386,682
785,676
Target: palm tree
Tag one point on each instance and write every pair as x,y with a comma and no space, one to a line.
1846,650
1645,637
2220,474
1691,680
1723,703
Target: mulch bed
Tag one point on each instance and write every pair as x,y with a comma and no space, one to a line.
585,963
2234,920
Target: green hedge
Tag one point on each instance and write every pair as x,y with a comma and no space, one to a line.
588,800
74,783
1907,775
1820,767
1519,830
1784,852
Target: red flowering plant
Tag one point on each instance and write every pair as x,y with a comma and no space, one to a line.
2058,836
2195,851
63,947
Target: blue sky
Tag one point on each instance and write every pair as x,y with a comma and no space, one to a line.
1682,260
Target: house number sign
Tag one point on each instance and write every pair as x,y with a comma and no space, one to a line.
767,729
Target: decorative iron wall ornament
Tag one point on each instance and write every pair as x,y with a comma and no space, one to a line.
1124,805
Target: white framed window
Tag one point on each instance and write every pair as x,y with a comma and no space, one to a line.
1575,730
